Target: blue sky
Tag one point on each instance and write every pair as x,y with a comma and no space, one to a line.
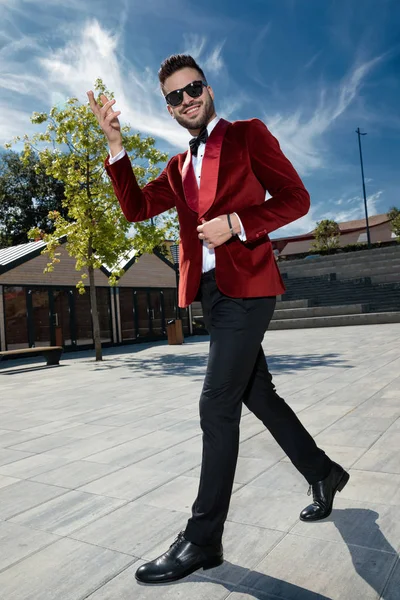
312,70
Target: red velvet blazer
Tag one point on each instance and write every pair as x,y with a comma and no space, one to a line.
242,161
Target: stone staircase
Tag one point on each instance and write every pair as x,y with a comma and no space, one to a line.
354,288
381,264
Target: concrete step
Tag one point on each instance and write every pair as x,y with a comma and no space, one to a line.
319,311
285,304
349,270
376,253
337,321
302,292
386,277
319,264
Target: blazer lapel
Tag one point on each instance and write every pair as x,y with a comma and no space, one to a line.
189,182
210,167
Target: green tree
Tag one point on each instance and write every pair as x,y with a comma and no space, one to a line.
394,216
72,149
27,194
327,234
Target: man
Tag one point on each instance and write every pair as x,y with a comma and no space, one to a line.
218,188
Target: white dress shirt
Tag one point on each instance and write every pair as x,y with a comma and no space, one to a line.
197,162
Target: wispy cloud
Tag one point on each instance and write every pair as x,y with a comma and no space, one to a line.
196,45
353,210
312,60
92,52
302,138
13,122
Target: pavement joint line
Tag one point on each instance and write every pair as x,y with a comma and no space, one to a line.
346,544
138,497
112,509
255,565
20,560
389,577
358,405
117,574
41,472
242,485
36,505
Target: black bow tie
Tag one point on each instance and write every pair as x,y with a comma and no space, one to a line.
196,141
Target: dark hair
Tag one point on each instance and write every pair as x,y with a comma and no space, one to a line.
175,63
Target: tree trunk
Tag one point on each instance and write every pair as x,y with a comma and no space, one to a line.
95,315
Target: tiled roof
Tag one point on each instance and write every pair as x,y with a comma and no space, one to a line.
360,223
23,252
373,221
9,255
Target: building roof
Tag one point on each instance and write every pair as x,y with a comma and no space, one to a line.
345,226
18,254
14,256
360,223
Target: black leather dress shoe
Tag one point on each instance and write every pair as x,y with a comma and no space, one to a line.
323,494
182,559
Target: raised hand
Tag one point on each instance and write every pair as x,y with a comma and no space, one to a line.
108,121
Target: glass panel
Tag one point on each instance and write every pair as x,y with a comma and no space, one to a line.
104,310
83,319
156,313
185,321
41,317
169,304
16,317
61,318
142,309
197,319
127,312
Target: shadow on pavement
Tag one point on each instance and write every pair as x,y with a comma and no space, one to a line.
11,370
361,534
359,527
255,585
195,364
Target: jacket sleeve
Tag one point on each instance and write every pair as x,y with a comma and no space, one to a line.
290,200
139,204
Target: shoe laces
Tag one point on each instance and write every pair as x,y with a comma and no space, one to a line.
178,539
311,491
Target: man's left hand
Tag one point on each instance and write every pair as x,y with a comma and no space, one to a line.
216,232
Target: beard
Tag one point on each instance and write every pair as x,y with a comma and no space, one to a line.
206,111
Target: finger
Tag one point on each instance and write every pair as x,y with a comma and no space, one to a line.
103,99
92,102
107,108
110,117
200,228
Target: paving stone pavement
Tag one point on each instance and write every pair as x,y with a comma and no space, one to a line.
99,466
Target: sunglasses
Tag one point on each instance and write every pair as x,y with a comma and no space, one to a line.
194,90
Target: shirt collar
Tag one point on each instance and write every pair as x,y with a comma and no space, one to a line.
212,124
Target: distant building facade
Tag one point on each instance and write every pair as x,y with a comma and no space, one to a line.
47,309
351,232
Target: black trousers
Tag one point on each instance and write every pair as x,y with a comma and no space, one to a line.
237,373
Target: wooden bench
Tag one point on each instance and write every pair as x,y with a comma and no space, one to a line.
52,354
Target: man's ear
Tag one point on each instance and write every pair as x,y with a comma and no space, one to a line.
210,91
171,112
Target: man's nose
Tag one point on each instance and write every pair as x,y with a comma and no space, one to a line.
187,99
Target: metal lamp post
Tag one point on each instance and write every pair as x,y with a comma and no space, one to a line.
358,132
175,257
